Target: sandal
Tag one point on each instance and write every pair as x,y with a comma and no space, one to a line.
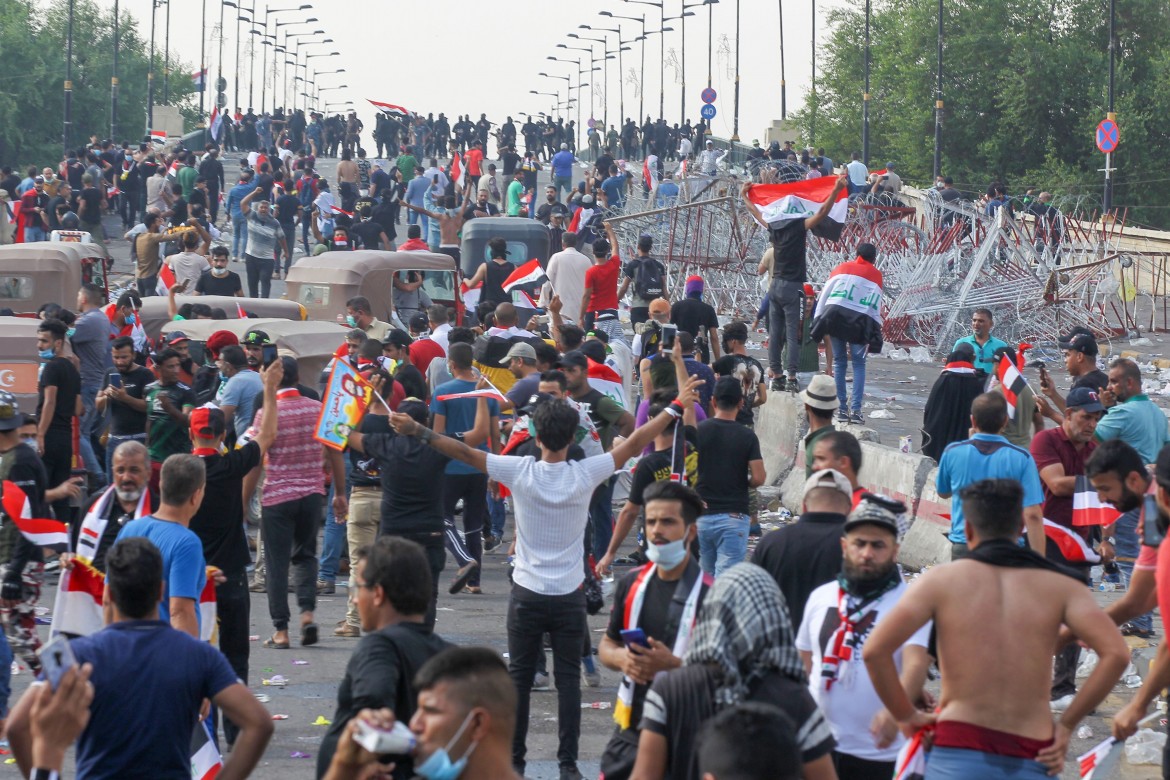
272,644
308,634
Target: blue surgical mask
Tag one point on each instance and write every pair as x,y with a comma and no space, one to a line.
439,766
350,321
46,354
69,333
667,555
29,440
131,319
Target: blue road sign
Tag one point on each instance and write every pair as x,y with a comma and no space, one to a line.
1108,136
708,95
707,112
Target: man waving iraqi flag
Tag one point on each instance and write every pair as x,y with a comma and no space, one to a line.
822,205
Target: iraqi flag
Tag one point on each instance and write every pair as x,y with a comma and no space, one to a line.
529,273
650,172
581,217
240,313
487,392
1101,760
1012,381
158,137
389,108
853,289
606,381
39,531
458,172
78,606
215,124
471,295
207,609
1088,508
1069,544
166,280
779,204
199,78
206,762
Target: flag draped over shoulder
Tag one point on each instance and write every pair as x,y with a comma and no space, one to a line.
605,380
850,305
779,204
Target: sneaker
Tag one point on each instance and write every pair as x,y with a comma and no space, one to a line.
777,385
490,543
792,385
842,416
589,672
857,418
348,631
570,773
1063,703
326,588
540,682
755,531
1129,629
462,576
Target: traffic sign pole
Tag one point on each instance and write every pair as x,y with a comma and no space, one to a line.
1108,138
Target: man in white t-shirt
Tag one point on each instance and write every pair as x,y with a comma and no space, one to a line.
190,264
566,278
837,620
551,498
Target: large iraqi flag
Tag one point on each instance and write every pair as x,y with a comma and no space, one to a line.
779,204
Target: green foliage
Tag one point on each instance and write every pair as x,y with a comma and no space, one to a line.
1024,86
32,97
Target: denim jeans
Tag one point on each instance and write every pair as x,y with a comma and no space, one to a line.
601,519
856,354
259,275
530,616
786,301
332,543
290,242
497,510
148,286
563,181
233,615
1143,622
32,234
87,432
958,764
722,541
239,236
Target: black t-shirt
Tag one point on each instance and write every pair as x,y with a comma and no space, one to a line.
510,160
210,284
125,421
219,523
380,674
366,470
659,465
493,283
750,374
788,245
61,374
652,620
370,232
1095,380
54,209
725,450
694,316
689,698
545,211
92,198
414,385
803,556
286,208
411,491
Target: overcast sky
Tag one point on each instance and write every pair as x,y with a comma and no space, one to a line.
459,56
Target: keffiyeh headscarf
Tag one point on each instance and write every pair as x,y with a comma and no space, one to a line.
744,628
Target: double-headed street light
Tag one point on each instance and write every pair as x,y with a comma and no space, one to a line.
608,56
621,67
276,31
555,96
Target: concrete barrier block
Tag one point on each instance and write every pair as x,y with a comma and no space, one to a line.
926,542
780,426
792,489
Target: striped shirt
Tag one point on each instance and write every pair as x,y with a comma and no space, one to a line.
294,460
552,507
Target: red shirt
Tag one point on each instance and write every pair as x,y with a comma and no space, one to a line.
423,351
1162,576
474,160
1050,447
603,281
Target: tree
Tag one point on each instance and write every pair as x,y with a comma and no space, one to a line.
1024,87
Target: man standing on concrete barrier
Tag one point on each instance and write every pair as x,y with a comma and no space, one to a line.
1135,419
988,455
805,555
995,724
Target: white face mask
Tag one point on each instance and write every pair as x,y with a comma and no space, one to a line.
218,271
668,555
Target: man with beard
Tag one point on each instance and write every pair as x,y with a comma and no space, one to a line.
125,500
838,619
946,418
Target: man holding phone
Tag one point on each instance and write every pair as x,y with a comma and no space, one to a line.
654,609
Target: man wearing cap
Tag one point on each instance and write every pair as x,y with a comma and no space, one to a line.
180,342
988,455
808,553
730,464
697,317
1134,419
1080,360
820,401
562,170
521,361
709,159
237,399
219,521
981,340
838,618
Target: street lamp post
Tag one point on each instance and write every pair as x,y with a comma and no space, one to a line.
642,68
167,56
938,97
621,67
605,92
114,80
662,65
682,108
735,122
264,58
783,95
1107,198
67,127
154,4
865,94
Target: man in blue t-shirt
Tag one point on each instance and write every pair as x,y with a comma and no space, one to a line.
981,340
988,455
149,682
238,397
614,189
455,417
185,573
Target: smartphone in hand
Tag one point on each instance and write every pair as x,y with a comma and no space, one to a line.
56,659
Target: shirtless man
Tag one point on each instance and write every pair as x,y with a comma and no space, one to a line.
348,177
995,651
450,223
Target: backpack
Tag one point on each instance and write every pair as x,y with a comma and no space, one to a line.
648,282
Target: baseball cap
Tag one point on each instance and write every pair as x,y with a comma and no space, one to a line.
10,416
829,478
220,339
659,306
535,400
257,338
821,393
398,338
1079,340
39,180
575,358
595,350
728,389
419,322
586,200
519,350
1085,399
176,337
877,510
208,422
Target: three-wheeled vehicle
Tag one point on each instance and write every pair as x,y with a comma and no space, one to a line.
323,283
19,366
527,239
32,275
155,312
312,343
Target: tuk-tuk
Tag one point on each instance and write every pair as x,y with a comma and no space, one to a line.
527,239
312,343
32,275
154,311
323,283
19,365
